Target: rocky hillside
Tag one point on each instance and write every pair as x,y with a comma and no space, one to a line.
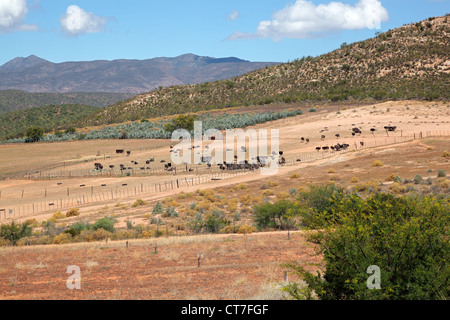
410,62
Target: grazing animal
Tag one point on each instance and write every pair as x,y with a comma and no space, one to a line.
307,140
338,135
98,166
322,137
318,148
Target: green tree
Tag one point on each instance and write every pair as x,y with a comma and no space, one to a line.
106,223
407,238
34,134
14,231
180,122
277,215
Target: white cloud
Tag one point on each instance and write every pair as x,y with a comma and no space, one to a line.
12,14
76,21
304,19
234,15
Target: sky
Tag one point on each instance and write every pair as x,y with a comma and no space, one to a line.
254,30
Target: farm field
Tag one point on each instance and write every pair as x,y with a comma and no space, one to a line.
234,266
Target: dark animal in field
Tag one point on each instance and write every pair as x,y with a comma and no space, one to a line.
390,128
318,148
167,166
323,137
338,136
373,130
281,153
98,166
111,167
325,148
362,143
282,161
302,139
163,161
307,140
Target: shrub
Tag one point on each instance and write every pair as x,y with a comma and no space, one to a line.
428,182
73,213
171,212
283,196
390,178
331,170
158,208
293,192
417,179
312,110
442,183
245,229
355,180
368,233
76,228
295,176
398,188
268,193
241,186
441,173
377,163
129,224
99,234
137,203
62,238
446,154
58,215
106,223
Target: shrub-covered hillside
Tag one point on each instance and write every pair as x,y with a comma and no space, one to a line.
410,62
49,118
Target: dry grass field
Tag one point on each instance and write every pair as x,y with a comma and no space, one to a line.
233,266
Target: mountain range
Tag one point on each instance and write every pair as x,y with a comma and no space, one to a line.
33,74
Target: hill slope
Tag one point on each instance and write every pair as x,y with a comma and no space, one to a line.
33,74
13,100
14,124
410,62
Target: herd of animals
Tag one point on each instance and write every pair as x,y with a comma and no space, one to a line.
254,163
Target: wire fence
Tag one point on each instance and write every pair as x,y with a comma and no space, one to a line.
182,177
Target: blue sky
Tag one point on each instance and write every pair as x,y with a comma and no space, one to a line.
256,30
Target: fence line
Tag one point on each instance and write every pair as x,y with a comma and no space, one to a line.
68,201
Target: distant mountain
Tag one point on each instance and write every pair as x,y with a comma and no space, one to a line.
33,74
410,62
